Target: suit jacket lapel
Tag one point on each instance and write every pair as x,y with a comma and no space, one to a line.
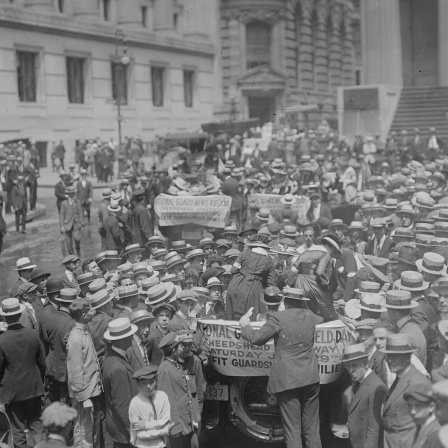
402,385
138,352
425,433
361,391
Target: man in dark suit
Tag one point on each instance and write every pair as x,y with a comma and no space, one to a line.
319,214
19,200
22,367
368,392
294,376
119,385
55,331
114,235
422,408
84,191
137,353
72,221
141,218
59,190
231,187
380,245
399,428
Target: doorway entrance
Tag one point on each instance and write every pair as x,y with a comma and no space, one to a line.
420,42
262,107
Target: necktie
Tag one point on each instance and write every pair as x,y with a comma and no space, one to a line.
378,246
394,385
145,354
417,433
355,387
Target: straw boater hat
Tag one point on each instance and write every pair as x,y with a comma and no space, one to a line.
294,293
112,255
432,263
263,214
11,307
206,242
100,298
67,295
170,278
289,232
133,248
400,300
120,328
402,235
84,279
140,268
139,316
337,223
424,228
288,199
194,254
162,292
223,242
202,292
159,254
125,269
356,225
174,261
399,344
411,281
157,265
24,264
148,283
106,193
156,239
368,287
372,302
214,281
230,230
356,351
179,246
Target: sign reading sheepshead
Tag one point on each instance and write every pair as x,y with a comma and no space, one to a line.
209,211
231,355
273,203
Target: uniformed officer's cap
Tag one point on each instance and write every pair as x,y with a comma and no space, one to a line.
146,373
440,390
58,415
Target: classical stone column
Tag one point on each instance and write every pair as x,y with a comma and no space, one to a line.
38,5
235,48
129,13
335,47
164,16
348,51
382,37
86,9
321,50
306,47
196,18
443,43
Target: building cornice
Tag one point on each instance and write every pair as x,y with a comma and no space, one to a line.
14,17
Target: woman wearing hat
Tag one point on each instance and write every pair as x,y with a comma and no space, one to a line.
253,271
308,274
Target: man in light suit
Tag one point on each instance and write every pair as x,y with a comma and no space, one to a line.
137,353
19,200
85,193
72,221
399,428
422,408
294,375
364,413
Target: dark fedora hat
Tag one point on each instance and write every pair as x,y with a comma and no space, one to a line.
38,273
54,285
272,296
408,254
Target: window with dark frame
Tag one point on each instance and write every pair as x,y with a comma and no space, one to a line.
61,5
188,87
27,75
75,79
119,83
144,16
157,85
106,10
258,43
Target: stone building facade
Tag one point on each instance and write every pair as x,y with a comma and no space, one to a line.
62,68
285,59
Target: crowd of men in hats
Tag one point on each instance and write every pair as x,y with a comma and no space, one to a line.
112,350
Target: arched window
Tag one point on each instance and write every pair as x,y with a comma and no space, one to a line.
258,44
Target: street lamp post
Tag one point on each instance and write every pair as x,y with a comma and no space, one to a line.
120,62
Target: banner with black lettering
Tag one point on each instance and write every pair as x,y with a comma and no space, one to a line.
231,355
273,203
209,211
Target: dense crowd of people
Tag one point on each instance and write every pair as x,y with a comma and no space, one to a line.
113,351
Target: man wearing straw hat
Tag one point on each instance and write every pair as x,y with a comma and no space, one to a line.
399,306
119,385
399,428
24,268
72,221
22,366
294,376
368,391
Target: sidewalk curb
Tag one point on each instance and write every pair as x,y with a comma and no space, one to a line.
40,211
